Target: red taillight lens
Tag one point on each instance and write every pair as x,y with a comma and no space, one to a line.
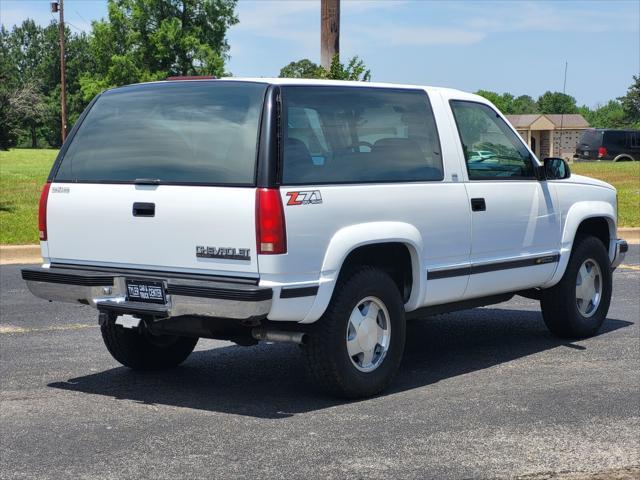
602,152
271,234
42,211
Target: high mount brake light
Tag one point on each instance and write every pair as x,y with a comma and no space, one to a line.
193,77
271,235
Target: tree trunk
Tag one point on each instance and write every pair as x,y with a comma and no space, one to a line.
34,136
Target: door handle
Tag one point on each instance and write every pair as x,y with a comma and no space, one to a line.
478,205
141,209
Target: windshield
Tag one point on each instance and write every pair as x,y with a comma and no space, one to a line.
181,132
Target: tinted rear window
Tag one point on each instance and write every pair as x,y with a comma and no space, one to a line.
591,138
358,134
182,132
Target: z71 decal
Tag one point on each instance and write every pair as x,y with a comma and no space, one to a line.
308,197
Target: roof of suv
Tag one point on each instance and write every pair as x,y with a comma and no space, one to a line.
449,92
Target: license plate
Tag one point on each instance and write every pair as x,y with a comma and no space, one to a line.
586,153
145,291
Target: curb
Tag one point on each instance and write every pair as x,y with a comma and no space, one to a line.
12,254
631,235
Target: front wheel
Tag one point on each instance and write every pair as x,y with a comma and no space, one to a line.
355,349
577,306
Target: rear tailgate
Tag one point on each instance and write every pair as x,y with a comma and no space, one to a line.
161,176
95,224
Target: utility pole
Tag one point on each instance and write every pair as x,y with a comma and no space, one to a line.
329,31
58,6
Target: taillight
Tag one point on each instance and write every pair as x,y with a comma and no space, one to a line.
42,211
602,152
271,234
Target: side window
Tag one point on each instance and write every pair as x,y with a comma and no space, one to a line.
492,150
358,134
304,125
615,140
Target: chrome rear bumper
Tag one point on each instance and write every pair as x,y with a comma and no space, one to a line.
106,291
621,249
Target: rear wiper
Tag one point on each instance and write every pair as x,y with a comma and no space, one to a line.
147,181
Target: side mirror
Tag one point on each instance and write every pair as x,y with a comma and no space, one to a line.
556,168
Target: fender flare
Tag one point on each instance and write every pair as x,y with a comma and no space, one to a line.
578,213
347,239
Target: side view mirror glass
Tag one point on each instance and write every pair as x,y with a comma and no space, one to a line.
556,168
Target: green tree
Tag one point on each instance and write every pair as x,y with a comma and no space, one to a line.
524,104
610,115
304,68
152,39
557,102
8,121
631,103
504,101
31,55
354,70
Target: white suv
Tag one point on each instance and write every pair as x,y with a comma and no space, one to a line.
316,212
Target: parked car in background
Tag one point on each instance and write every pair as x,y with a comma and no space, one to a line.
608,144
480,155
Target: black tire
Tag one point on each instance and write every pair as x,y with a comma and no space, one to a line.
140,350
559,308
326,356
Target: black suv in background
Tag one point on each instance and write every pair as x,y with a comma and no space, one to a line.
607,144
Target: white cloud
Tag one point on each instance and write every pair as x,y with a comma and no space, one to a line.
585,18
10,16
298,21
283,20
15,15
397,35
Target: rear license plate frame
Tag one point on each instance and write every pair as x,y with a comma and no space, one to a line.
146,291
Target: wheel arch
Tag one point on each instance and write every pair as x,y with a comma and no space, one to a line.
597,218
349,240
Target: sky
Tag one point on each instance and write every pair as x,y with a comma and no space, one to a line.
515,46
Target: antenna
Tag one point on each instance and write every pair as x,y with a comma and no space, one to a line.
564,89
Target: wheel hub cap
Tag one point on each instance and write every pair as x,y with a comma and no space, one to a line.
368,334
588,288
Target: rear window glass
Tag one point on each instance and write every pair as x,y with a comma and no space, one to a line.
182,132
591,138
353,135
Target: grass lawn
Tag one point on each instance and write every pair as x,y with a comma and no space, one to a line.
23,172
625,176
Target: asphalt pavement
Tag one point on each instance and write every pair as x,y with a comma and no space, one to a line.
485,393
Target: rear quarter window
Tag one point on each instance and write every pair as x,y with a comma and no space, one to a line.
358,134
177,132
615,139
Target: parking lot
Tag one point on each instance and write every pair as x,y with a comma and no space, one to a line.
482,394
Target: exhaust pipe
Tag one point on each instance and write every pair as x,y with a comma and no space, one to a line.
279,336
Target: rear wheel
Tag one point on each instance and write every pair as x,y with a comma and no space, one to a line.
355,349
577,306
140,350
